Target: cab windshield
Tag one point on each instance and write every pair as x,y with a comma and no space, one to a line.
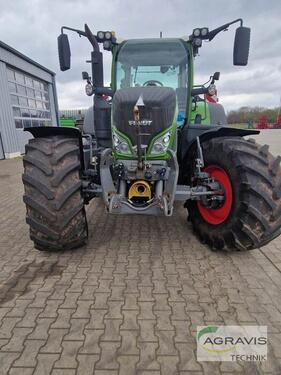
154,62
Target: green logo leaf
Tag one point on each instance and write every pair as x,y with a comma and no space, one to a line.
208,329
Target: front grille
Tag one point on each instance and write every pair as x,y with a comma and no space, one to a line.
159,107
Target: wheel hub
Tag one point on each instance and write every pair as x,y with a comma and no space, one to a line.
218,210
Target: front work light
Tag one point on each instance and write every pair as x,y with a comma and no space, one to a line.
197,42
204,31
196,32
108,35
107,45
100,35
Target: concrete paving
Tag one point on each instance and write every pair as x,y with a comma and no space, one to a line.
271,137
130,301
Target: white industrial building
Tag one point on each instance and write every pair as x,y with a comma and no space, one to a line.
27,98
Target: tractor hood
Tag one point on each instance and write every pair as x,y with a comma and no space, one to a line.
156,106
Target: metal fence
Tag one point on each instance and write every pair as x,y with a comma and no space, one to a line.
73,113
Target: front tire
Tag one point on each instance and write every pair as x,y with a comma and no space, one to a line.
254,218
54,205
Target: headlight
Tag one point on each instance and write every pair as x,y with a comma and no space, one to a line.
124,148
120,144
158,148
116,140
166,139
161,144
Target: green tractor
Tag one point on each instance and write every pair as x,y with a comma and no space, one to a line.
151,139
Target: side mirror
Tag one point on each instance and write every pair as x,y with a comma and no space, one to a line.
216,76
241,46
164,68
64,52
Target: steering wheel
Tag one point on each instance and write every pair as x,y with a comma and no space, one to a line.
153,82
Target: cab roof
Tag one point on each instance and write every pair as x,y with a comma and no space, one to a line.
153,51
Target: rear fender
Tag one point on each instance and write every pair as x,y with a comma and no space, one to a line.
46,131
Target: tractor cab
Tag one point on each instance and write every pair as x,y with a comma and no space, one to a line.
155,63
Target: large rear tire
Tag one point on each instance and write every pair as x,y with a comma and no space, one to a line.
54,205
250,217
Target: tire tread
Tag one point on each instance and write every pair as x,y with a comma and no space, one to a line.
258,214
54,204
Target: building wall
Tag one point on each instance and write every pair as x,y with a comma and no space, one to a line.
12,138
8,129
17,62
53,104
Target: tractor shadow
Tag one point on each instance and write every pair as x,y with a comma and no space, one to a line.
28,273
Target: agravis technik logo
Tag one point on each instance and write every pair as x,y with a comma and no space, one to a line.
232,343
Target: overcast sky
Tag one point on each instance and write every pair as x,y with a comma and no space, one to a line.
32,27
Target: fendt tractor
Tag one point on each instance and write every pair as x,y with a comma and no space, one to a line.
151,138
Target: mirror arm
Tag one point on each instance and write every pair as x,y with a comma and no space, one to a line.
79,32
214,32
103,91
199,91
87,33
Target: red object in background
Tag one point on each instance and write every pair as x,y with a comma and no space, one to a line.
277,125
263,123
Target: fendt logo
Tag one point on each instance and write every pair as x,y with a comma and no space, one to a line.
232,343
140,123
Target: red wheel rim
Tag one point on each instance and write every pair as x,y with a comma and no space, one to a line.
216,216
